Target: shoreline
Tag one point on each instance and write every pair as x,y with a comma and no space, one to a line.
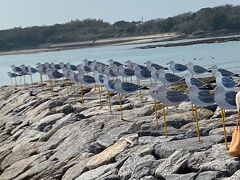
211,38
189,43
97,43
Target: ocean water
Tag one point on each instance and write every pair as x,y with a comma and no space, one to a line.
226,55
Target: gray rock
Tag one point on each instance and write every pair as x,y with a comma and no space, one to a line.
208,125
165,149
79,167
47,128
66,120
180,176
116,131
137,150
174,164
95,148
214,159
20,153
56,103
18,168
137,167
171,131
49,120
149,178
217,113
95,173
66,109
235,176
208,175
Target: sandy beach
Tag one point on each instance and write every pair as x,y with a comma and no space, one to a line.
97,43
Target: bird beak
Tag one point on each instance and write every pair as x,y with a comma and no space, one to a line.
211,92
186,91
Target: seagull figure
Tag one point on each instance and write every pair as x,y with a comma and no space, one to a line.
126,72
192,81
168,78
226,82
13,75
225,100
196,69
156,66
169,98
224,72
176,67
112,62
124,88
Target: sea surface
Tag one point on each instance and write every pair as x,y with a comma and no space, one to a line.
225,55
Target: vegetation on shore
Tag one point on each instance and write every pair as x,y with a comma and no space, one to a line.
223,18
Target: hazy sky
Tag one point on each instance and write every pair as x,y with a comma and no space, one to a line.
15,13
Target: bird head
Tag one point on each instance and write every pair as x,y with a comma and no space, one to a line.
170,62
186,90
148,62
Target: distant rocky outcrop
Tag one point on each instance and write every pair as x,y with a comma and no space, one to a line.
44,137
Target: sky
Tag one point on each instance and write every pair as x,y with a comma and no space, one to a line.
25,13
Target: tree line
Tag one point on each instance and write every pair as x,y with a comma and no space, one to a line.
223,18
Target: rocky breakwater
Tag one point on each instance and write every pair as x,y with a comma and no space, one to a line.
44,137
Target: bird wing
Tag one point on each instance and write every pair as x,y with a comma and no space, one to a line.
231,97
34,70
89,79
172,77
226,79
199,69
145,73
86,68
209,98
74,68
129,72
57,74
157,66
197,82
231,94
57,66
204,93
175,96
18,69
180,67
117,63
229,83
130,87
225,72
142,67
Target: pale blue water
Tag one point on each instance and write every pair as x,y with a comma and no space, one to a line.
225,55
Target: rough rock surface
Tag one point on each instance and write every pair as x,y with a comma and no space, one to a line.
45,137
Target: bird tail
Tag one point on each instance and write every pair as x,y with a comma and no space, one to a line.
209,70
165,68
236,75
237,85
207,86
